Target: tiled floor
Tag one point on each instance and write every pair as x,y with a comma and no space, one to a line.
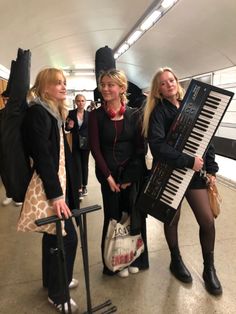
152,291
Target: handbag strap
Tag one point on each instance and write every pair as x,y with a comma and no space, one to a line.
62,168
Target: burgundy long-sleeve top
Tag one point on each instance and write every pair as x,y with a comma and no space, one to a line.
95,144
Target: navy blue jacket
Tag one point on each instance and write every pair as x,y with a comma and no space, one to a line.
76,131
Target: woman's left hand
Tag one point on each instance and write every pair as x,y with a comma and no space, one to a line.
113,185
211,179
123,186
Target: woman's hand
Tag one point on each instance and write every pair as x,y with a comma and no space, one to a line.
198,163
113,186
61,207
211,179
70,123
123,186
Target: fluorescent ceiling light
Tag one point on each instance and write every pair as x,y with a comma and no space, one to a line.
78,72
156,11
150,20
134,37
116,55
167,3
123,48
66,73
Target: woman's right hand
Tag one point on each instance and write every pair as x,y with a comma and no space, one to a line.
113,186
60,207
198,163
70,123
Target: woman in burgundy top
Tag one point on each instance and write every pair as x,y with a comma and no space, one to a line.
118,149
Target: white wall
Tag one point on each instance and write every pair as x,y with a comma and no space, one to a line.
227,168
226,79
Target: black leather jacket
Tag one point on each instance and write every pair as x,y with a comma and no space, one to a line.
161,120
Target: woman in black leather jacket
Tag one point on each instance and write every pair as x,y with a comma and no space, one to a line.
161,109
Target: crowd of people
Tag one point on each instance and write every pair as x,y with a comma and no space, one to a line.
117,136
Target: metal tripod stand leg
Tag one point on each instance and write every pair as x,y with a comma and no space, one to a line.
80,214
84,245
62,267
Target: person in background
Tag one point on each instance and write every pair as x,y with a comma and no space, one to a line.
118,149
77,124
8,199
163,105
44,139
92,106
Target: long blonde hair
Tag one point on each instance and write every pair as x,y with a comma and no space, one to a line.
119,78
154,95
44,78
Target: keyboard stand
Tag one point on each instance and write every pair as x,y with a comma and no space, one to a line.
81,220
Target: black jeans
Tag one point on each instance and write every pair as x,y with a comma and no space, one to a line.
84,155
50,261
81,158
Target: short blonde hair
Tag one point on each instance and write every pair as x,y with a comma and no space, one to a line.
80,95
44,78
119,78
154,95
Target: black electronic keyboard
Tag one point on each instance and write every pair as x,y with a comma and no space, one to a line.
202,110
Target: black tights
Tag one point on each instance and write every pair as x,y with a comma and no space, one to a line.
198,201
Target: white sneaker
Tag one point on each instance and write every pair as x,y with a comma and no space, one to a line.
84,191
74,283
7,201
81,197
123,273
18,203
133,270
73,305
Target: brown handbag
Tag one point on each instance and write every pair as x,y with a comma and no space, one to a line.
215,199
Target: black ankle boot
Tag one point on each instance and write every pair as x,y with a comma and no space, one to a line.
211,280
177,267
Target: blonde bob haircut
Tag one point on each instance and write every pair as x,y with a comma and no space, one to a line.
154,95
46,77
119,78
